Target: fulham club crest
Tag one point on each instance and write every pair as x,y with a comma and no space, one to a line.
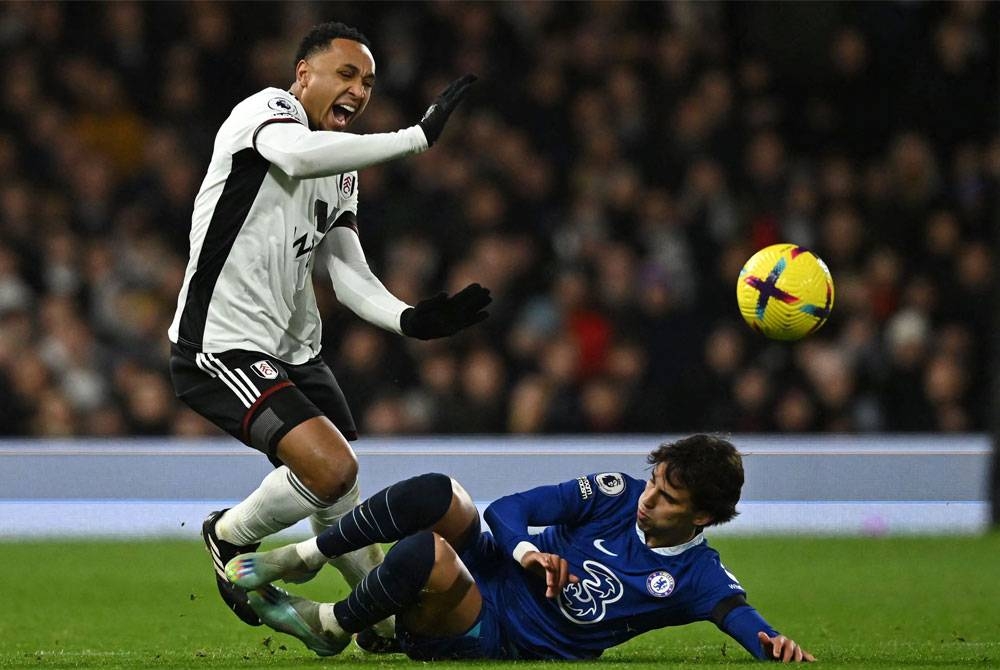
347,184
265,370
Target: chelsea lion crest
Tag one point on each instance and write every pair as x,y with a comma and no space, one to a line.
660,584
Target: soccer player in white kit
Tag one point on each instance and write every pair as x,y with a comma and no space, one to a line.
280,196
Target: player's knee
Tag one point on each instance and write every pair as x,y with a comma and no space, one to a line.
332,484
458,522
333,478
320,457
413,558
444,553
425,497
462,501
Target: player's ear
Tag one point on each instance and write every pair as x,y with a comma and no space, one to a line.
702,519
302,72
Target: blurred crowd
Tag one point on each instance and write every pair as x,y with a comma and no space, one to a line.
607,178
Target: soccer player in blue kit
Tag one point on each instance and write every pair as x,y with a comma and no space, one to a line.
618,557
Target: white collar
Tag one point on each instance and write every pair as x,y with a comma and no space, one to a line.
671,551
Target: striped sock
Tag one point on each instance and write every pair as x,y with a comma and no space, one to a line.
391,514
280,501
391,587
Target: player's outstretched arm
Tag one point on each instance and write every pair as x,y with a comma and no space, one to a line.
741,621
442,316
783,649
304,154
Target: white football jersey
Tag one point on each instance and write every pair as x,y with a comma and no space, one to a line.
248,283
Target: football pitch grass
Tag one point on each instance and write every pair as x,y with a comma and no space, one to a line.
907,602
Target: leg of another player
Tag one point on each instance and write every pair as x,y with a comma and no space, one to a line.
354,567
320,457
431,501
449,602
320,467
422,581
460,524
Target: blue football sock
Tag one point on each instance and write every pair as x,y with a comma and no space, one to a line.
391,587
391,514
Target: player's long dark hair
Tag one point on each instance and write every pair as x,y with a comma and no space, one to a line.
320,36
709,468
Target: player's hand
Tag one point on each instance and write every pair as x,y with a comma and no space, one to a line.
784,649
442,316
553,567
437,114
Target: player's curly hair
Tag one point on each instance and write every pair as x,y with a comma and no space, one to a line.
709,468
319,37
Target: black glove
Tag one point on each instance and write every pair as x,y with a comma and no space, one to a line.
437,114
442,316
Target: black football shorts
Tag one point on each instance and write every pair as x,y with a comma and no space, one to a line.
255,397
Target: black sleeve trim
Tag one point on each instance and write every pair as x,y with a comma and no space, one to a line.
346,220
725,606
278,119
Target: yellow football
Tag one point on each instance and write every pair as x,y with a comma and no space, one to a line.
785,292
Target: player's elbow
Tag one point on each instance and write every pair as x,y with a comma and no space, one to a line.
295,164
491,514
297,167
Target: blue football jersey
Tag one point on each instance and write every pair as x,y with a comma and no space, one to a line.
625,587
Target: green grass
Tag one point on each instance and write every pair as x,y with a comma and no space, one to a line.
855,603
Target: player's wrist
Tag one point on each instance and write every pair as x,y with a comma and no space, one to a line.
420,139
404,322
522,548
429,135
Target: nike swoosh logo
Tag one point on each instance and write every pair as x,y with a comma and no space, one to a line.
599,545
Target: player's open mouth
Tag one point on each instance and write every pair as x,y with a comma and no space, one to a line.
342,114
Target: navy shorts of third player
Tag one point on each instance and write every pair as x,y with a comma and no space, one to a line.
255,397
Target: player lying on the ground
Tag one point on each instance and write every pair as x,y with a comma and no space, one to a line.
619,557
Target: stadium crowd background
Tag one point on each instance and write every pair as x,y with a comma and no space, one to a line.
606,179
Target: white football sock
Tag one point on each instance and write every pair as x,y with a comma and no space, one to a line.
330,515
355,565
279,502
328,622
309,552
